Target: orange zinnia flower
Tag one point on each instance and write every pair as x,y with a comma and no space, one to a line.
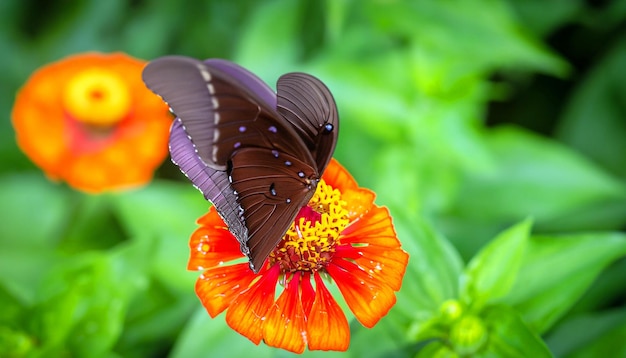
341,235
90,121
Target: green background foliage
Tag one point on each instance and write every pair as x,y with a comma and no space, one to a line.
495,132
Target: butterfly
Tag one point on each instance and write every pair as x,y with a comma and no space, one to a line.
255,154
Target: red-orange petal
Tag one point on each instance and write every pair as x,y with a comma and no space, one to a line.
327,326
285,326
212,218
212,244
368,298
387,265
373,228
218,286
358,202
378,247
247,313
338,177
308,294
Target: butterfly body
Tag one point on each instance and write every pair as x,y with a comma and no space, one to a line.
255,154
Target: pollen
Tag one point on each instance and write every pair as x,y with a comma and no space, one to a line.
310,242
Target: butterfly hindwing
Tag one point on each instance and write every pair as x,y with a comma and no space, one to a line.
270,195
308,105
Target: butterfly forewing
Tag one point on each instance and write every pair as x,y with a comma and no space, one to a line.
182,84
214,184
218,112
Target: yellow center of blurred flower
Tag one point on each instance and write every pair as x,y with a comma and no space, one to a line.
97,96
310,241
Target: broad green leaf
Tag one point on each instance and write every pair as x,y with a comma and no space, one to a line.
91,214
160,209
207,337
268,45
605,289
493,271
145,333
35,214
510,337
432,273
389,334
436,349
593,121
151,302
543,17
556,271
455,26
29,198
533,176
14,343
589,334
611,344
82,307
11,309
164,214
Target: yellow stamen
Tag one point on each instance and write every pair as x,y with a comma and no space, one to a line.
97,96
308,245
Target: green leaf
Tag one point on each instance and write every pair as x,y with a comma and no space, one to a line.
160,209
611,344
144,331
31,198
207,337
556,271
593,121
164,214
510,337
82,307
543,17
432,273
274,23
389,334
91,214
590,335
34,215
455,26
436,349
533,176
493,271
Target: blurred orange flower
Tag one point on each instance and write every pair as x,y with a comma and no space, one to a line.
340,235
89,120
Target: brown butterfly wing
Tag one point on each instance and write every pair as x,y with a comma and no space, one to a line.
231,126
221,108
272,188
306,103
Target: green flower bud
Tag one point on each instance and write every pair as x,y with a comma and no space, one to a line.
468,335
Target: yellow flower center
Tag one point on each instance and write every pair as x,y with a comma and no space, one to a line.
97,96
310,242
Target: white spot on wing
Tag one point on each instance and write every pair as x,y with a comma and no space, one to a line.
206,75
